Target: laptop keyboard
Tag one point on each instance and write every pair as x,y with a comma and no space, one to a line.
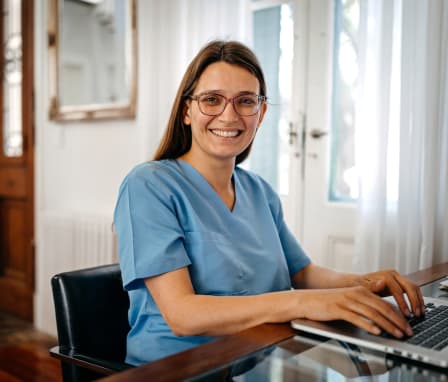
430,331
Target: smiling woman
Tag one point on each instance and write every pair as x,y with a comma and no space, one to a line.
201,237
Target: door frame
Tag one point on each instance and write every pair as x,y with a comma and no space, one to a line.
20,300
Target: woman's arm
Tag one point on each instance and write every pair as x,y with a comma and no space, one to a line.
384,282
187,313
315,277
190,314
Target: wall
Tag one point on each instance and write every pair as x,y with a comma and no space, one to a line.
79,165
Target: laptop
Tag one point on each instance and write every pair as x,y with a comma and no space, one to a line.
429,344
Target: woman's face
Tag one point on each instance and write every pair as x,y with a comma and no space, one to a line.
224,136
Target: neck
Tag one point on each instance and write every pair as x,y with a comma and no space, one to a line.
218,174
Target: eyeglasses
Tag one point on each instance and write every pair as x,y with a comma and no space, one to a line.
245,105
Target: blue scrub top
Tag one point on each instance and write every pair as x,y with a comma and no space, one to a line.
168,217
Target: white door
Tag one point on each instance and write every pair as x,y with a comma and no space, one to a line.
308,139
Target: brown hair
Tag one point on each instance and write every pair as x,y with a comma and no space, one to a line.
176,140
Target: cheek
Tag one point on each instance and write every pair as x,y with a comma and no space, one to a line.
252,124
200,121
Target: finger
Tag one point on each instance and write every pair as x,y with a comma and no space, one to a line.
401,302
421,300
397,290
414,295
360,322
370,320
383,314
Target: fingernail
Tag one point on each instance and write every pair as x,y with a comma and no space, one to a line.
417,311
407,312
409,331
398,333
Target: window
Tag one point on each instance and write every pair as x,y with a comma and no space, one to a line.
273,44
273,36
343,184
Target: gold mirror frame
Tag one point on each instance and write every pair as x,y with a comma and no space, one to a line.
87,112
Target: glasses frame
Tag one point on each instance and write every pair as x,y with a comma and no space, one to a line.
261,99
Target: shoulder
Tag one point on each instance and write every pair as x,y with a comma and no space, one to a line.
152,169
153,172
151,183
158,178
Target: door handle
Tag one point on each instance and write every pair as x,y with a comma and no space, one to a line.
317,133
292,133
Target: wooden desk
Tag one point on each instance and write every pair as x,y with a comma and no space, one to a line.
230,348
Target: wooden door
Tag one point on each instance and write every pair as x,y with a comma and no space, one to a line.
17,159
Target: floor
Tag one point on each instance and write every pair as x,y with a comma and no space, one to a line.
24,353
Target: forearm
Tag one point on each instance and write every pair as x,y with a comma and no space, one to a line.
188,313
222,315
316,277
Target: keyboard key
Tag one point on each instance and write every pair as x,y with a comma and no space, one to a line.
430,331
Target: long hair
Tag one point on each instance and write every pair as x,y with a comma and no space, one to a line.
176,140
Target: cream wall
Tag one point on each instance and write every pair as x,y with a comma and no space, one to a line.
79,165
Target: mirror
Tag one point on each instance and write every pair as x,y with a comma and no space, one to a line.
92,59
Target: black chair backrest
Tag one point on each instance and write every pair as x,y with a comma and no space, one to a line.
91,316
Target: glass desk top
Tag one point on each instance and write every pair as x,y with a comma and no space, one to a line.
433,290
312,358
306,358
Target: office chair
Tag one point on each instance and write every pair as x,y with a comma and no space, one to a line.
92,323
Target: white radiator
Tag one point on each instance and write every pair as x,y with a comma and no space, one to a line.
67,242
79,241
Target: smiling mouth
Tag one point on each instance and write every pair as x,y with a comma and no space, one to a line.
226,133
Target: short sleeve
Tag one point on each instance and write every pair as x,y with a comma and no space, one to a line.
150,239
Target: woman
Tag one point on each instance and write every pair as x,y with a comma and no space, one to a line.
203,246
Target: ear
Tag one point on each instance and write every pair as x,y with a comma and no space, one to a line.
263,109
186,113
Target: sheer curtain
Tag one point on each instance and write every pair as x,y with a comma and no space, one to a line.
402,135
171,33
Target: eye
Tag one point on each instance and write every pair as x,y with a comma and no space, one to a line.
247,100
211,99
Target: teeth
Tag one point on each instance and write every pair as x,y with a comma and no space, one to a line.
225,133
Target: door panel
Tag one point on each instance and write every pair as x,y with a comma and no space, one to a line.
17,160
13,213
275,35
328,224
325,226
13,182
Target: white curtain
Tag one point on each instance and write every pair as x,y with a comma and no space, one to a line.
171,32
402,135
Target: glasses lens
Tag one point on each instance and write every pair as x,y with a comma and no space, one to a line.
212,104
247,104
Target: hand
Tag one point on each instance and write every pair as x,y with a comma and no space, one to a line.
390,282
357,305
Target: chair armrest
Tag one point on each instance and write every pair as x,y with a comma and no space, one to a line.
95,364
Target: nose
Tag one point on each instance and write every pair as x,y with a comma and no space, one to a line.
229,113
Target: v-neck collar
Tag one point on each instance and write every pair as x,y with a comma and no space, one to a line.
196,177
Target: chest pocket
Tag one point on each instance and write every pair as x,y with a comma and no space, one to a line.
216,266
